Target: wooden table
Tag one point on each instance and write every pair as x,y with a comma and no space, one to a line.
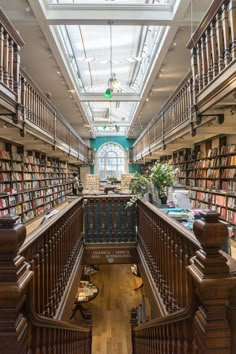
86,292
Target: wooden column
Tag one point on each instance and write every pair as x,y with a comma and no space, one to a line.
14,278
213,283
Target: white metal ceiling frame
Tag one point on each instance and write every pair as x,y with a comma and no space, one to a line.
49,15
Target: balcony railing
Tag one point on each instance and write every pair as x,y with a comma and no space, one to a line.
213,49
28,105
213,76
175,116
10,43
38,113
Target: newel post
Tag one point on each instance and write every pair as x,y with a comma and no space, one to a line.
14,278
213,282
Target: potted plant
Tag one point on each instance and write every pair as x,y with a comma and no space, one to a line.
139,186
162,177
112,179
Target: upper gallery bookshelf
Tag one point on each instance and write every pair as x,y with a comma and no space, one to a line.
31,183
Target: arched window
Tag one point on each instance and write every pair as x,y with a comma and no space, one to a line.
110,161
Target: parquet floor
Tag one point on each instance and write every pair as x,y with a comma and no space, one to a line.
111,308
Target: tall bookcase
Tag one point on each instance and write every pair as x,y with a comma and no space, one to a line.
31,183
214,178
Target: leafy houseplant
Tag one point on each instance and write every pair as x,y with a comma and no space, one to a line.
112,179
162,177
138,186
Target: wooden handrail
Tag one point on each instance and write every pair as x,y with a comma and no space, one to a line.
204,281
40,111
209,16
174,224
4,20
164,107
58,336
213,53
33,236
52,252
10,43
175,115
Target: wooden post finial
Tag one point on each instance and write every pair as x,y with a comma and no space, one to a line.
14,278
213,282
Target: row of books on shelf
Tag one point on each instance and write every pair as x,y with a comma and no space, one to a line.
210,173
207,163
208,197
43,197
225,214
27,213
11,187
37,193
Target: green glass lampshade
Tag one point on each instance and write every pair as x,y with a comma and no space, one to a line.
108,94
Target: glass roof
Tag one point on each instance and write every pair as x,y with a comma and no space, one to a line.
96,52
111,2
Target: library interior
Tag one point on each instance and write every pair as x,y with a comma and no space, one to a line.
118,176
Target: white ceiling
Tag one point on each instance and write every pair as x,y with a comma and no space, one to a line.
101,37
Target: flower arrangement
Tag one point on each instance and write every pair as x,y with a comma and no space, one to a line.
162,176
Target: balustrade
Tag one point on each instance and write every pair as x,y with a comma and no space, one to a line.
28,103
52,255
10,43
34,273
190,272
39,113
107,220
174,116
213,45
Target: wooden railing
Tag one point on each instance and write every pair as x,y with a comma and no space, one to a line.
193,291
167,250
174,117
212,77
39,113
35,273
59,337
29,106
108,220
213,45
10,43
52,254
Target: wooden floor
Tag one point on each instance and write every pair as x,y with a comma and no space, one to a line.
111,308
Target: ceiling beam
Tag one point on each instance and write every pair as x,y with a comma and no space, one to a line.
59,14
116,97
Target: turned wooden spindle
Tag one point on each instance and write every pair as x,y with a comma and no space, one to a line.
213,282
15,276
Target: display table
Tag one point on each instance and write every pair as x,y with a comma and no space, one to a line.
86,292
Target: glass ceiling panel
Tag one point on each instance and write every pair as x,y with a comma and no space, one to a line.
112,2
97,52
115,112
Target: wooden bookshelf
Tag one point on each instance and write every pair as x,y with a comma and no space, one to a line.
32,183
214,178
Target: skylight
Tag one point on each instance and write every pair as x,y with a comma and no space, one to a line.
89,51
111,2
